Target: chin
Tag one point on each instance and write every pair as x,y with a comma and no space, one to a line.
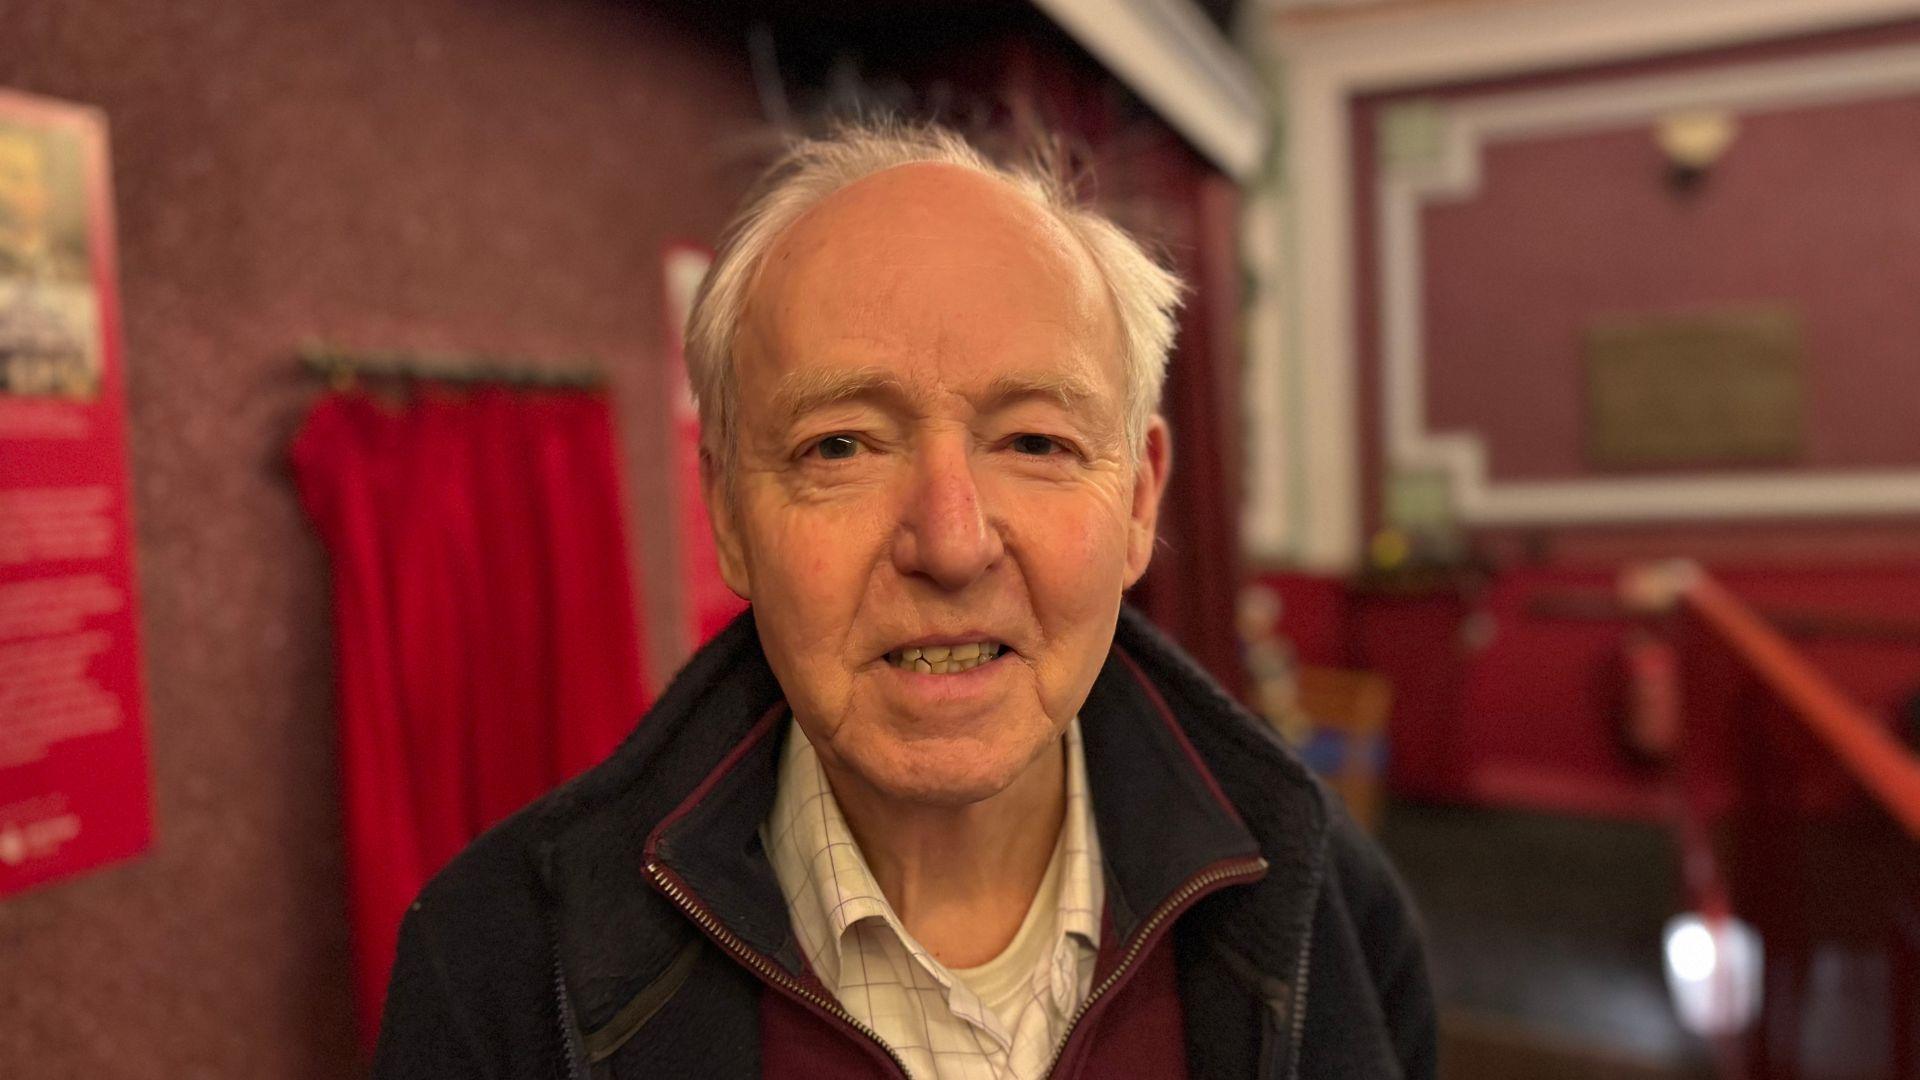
940,772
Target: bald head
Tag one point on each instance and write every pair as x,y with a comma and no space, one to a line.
937,219
934,267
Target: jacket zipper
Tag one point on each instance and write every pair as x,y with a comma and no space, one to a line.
1167,909
563,1005
1301,970
1299,1009
765,968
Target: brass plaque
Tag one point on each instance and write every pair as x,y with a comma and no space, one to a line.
1701,389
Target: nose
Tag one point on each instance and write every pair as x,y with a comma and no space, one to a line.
946,534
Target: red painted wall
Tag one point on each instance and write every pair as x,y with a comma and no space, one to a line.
1814,208
1499,700
437,174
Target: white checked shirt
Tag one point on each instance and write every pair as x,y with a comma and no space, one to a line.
860,950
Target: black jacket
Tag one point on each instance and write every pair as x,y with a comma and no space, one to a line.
625,925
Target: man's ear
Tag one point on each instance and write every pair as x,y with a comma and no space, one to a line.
726,526
1149,483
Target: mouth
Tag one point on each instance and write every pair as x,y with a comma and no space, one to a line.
946,659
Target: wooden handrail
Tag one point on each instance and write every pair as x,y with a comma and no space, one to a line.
1603,605
1889,772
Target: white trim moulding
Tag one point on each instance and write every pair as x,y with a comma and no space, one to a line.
1316,525
1169,54
1850,75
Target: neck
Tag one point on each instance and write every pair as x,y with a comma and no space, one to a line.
961,878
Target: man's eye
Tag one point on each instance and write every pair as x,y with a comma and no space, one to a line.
1037,445
836,447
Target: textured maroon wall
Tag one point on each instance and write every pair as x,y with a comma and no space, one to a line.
1807,211
1569,228
448,174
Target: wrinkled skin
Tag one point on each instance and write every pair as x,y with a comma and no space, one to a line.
931,441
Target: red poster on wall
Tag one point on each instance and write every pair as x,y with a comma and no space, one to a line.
74,783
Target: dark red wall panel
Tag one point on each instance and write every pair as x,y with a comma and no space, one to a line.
435,174
1814,208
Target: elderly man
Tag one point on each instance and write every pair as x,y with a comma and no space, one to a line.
939,807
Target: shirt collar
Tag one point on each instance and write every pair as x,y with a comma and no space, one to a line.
829,887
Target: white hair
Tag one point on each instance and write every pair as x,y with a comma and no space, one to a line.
1145,295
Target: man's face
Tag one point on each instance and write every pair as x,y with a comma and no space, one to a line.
932,452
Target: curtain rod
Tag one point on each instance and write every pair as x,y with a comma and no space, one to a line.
342,367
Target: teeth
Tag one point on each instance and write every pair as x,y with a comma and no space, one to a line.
945,659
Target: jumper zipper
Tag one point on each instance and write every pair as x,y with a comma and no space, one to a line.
1167,909
765,968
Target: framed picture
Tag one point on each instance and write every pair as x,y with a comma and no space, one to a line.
1698,389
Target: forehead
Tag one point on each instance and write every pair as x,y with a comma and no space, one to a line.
929,270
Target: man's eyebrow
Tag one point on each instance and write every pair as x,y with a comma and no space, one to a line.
1066,389
1075,394
801,392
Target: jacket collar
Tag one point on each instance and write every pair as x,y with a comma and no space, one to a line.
1265,926
691,787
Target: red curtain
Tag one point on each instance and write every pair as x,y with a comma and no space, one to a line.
485,618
